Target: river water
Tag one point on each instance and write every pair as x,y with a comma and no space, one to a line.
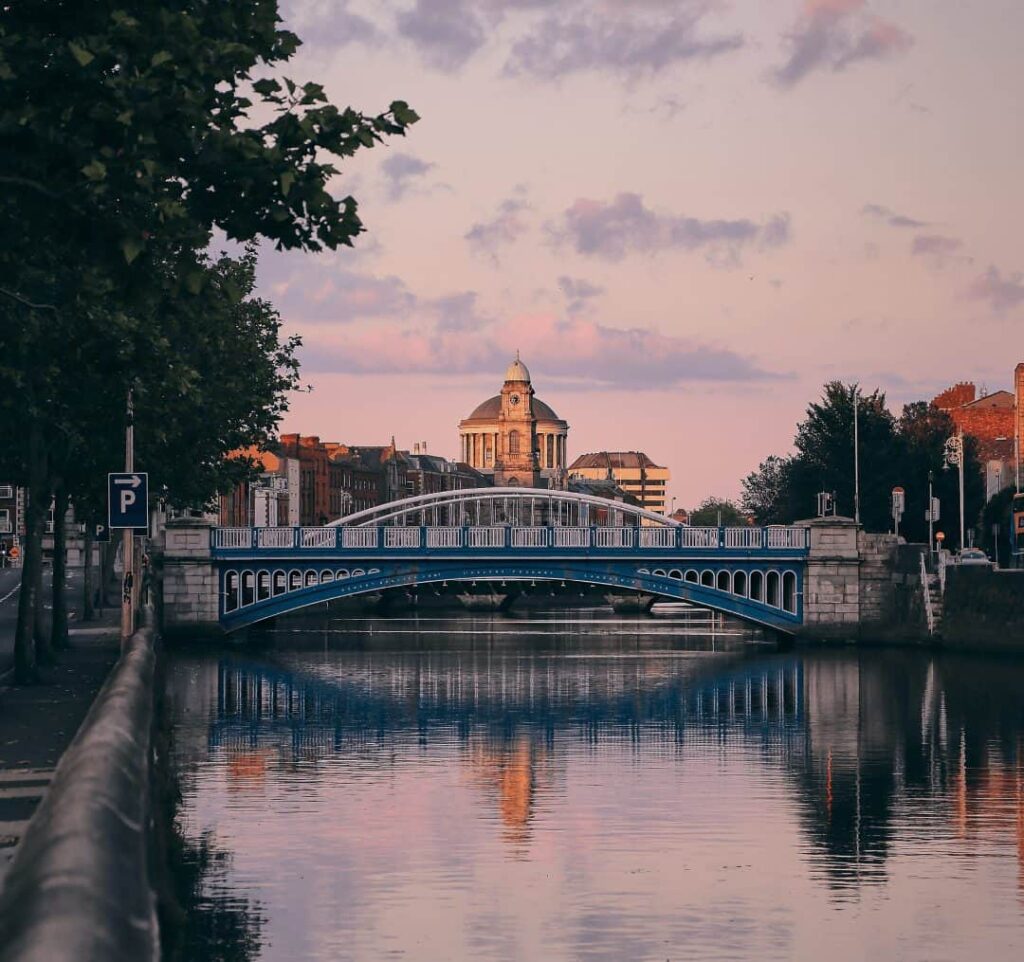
574,785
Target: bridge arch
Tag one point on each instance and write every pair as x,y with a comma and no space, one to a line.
325,586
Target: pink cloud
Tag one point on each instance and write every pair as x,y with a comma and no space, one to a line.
833,34
579,352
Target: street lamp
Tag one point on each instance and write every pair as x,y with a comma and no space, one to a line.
856,454
955,455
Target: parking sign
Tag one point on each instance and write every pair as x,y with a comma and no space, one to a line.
128,500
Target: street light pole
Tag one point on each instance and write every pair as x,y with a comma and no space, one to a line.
127,536
955,455
856,455
931,513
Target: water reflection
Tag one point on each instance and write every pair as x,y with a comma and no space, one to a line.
604,796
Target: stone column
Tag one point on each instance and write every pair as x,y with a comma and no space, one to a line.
190,580
832,579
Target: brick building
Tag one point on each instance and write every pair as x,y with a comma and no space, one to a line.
995,421
271,499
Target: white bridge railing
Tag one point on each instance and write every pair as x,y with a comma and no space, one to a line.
514,537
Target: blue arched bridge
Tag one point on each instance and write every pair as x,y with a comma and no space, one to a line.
510,535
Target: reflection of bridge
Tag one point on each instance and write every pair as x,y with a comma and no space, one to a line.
259,705
510,535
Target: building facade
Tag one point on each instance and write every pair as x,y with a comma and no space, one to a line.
514,438
996,422
633,471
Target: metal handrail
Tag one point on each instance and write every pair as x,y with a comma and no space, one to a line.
516,536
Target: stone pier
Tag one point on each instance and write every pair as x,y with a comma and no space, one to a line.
190,587
849,581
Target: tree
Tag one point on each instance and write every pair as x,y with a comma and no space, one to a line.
824,443
922,431
767,492
717,511
129,135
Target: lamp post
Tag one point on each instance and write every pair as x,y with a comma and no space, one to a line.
856,454
955,455
931,513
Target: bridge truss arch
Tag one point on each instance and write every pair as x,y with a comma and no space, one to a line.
526,507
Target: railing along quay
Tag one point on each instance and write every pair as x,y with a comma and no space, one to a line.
512,537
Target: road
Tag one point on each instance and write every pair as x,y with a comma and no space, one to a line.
10,582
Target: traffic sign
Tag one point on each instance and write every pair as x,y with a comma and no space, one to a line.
102,533
128,500
15,552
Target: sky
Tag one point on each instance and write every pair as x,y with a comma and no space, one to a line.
687,215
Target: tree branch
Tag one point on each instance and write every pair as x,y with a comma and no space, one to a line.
24,300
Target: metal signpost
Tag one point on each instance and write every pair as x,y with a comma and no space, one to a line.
899,502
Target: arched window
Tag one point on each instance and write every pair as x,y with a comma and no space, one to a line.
513,442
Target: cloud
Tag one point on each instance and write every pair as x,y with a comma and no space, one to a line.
1002,293
833,34
580,353
937,250
458,312
632,40
445,32
925,244
890,217
401,171
488,237
626,225
578,293
328,23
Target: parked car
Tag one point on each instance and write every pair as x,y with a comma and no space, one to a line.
973,556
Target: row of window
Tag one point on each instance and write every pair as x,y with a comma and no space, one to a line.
774,588
247,587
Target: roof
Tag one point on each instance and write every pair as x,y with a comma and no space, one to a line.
517,371
613,459
998,399
491,409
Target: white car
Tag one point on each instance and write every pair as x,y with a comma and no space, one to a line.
973,556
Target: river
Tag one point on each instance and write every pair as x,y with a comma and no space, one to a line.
568,785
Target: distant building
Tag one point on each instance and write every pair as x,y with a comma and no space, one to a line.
430,474
633,471
995,421
680,515
514,437
270,500
12,516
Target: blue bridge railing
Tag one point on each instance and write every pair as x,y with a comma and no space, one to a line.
470,538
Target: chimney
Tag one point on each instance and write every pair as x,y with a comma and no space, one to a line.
423,446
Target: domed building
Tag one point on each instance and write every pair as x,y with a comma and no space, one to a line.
514,437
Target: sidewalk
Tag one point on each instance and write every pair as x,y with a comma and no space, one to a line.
38,722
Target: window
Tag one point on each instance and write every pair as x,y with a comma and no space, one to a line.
5,521
6,492
513,442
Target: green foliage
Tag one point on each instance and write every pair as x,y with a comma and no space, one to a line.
133,129
717,511
892,452
767,492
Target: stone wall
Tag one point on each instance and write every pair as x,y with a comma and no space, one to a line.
983,609
877,552
190,586
80,888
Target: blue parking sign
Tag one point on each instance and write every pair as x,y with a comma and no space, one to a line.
128,500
